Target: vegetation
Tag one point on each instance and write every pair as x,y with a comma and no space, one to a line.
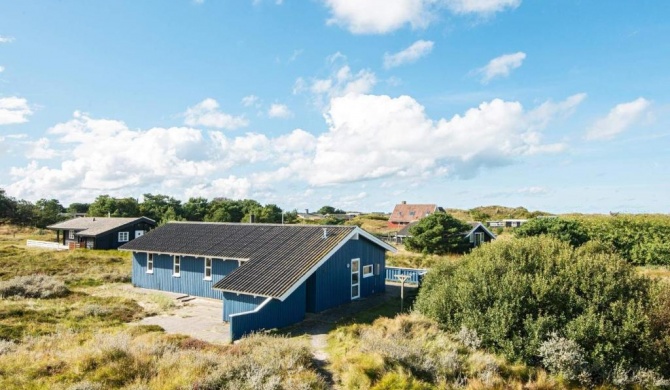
537,299
325,210
438,233
33,286
494,213
570,231
412,352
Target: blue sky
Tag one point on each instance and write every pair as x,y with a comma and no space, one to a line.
554,105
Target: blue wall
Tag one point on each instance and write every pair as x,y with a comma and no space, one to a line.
330,285
276,314
191,280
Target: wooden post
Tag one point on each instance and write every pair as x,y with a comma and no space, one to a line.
402,279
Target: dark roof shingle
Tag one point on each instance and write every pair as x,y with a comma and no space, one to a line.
278,255
93,226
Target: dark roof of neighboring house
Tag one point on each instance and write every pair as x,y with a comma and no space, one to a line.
95,226
277,257
404,232
412,212
475,226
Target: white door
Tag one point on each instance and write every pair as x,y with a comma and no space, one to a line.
139,233
355,278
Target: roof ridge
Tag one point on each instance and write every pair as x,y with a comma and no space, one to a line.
262,224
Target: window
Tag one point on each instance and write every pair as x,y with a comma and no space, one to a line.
367,271
123,236
71,235
150,263
139,233
208,268
176,266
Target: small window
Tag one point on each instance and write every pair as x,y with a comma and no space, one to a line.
71,235
367,270
176,266
123,236
150,263
208,268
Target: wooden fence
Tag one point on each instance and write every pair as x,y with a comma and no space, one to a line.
46,245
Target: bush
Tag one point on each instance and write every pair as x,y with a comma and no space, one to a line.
565,230
516,293
438,233
33,286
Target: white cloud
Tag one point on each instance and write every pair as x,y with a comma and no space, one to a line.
198,2
379,16
6,39
207,114
417,50
374,136
250,100
501,66
535,190
279,111
620,118
341,81
2,69
482,7
106,156
14,110
232,187
40,150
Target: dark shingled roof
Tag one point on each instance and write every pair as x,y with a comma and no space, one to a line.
95,226
279,255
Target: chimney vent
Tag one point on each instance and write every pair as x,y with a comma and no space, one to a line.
325,233
404,202
306,211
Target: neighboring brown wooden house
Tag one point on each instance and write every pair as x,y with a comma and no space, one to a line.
403,214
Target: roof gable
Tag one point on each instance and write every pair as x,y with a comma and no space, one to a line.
411,212
277,256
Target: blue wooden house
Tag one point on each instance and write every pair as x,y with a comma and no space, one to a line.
268,276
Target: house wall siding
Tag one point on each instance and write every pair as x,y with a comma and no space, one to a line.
110,240
191,280
330,285
276,314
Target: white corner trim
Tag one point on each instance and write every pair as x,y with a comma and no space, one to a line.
256,310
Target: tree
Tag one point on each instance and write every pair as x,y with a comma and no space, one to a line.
78,208
565,230
329,210
195,209
156,207
517,294
225,210
7,207
48,212
105,205
438,233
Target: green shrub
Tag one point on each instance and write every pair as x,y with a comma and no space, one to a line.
516,293
33,286
565,230
438,233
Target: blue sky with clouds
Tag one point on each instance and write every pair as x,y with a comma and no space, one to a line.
554,105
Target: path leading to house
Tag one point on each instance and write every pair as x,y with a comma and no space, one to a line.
317,326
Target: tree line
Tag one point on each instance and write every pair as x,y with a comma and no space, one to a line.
160,208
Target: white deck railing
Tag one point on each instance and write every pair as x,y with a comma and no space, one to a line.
46,245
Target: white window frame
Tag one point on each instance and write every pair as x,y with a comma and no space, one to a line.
369,272
176,266
141,233
209,278
70,235
124,234
150,263
358,279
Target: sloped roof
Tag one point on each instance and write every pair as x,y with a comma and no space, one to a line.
476,225
404,232
94,226
412,212
277,257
